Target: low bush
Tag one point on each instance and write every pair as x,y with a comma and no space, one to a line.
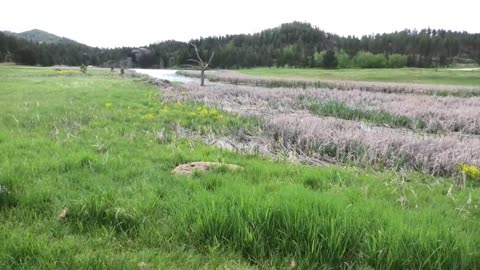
369,60
397,61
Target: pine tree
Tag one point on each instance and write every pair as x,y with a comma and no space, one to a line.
330,60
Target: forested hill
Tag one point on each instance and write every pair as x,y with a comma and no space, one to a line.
39,36
293,44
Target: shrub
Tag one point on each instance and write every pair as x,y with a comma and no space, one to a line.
369,60
397,61
343,59
330,60
318,58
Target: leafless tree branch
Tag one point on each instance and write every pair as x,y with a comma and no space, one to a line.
201,64
195,61
196,52
210,60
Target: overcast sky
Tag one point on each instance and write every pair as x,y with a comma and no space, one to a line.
141,22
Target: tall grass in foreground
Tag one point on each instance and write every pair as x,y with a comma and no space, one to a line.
321,231
85,179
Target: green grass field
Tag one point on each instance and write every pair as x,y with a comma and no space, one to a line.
404,75
90,147
9,70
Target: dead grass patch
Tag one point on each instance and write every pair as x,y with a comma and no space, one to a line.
202,166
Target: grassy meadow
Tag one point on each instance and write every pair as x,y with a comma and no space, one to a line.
401,75
86,182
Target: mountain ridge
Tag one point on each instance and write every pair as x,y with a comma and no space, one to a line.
297,44
41,36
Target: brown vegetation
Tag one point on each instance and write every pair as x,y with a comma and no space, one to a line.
287,122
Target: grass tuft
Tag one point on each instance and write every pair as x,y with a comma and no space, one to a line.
102,212
7,198
341,110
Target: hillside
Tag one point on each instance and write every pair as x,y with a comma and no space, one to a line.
41,36
293,44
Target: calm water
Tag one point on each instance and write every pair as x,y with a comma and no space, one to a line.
165,74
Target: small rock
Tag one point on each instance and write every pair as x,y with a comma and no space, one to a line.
143,266
202,166
293,264
63,213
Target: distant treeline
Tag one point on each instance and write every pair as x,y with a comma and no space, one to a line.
292,44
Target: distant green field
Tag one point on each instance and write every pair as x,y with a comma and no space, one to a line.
404,75
86,182
18,71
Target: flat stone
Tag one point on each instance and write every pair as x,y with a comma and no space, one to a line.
201,166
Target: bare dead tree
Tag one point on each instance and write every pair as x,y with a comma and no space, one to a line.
202,65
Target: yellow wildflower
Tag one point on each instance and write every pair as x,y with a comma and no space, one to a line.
149,116
204,112
213,112
470,170
108,105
